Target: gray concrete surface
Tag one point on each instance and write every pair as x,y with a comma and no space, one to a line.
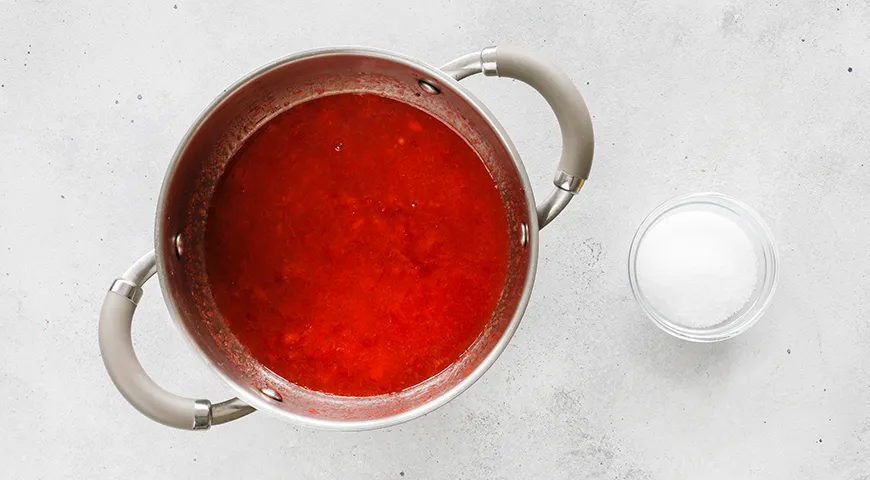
753,99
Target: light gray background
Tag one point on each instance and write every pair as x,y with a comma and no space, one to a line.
752,99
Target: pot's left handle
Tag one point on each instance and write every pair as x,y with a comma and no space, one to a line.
116,346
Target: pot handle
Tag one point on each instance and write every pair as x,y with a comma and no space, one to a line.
116,346
578,143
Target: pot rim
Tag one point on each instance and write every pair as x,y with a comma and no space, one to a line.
261,403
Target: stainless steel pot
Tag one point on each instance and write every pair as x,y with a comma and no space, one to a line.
178,257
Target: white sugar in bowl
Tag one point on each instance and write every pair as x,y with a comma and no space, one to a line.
703,267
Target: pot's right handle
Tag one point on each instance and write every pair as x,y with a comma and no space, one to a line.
578,143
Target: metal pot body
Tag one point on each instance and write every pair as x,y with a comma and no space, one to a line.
179,256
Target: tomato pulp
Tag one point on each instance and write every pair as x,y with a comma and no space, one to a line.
356,245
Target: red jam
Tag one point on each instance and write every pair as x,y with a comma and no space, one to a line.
356,245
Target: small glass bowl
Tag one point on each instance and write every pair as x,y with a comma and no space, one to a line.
767,266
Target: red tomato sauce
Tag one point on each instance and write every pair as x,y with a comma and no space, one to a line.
356,245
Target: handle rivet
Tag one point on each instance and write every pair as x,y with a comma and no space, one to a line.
429,87
179,245
524,234
271,394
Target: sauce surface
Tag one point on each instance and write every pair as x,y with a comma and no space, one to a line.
356,245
